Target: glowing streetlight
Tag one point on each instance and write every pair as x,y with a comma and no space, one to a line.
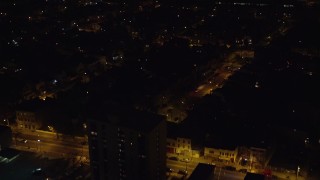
6,120
51,128
39,144
298,170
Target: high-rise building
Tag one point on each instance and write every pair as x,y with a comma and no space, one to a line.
130,145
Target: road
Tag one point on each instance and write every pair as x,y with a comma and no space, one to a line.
214,79
219,173
179,165
48,144
222,174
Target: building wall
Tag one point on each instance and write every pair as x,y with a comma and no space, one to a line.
221,154
180,146
27,120
157,152
123,153
171,145
184,146
257,156
196,153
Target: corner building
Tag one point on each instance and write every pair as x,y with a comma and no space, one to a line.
127,146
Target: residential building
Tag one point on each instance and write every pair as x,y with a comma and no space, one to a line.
129,145
258,156
27,114
181,146
27,120
221,154
244,156
171,145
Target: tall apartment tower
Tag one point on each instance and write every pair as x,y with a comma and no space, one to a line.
130,145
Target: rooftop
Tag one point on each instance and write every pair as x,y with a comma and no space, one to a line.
128,118
203,172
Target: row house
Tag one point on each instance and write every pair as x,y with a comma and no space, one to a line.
180,146
221,154
27,120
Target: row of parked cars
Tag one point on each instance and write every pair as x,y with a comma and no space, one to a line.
177,159
231,168
182,172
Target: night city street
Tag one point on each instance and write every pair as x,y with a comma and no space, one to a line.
160,89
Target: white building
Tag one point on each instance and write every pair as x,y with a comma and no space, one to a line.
180,146
221,154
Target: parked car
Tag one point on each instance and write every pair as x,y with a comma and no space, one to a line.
185,160
243,170
174,158
23,140
169,169
230,168
183,172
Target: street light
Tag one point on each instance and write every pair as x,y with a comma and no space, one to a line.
39,144
51,128
5,120
298,170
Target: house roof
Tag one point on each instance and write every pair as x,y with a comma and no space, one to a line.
202,172
128,118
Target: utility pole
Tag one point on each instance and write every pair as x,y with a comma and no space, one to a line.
298,170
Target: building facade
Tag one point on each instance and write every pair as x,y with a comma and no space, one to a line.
27,120
181,146
132,147
221,154
258,157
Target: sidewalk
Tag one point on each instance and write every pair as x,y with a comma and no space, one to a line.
280,175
